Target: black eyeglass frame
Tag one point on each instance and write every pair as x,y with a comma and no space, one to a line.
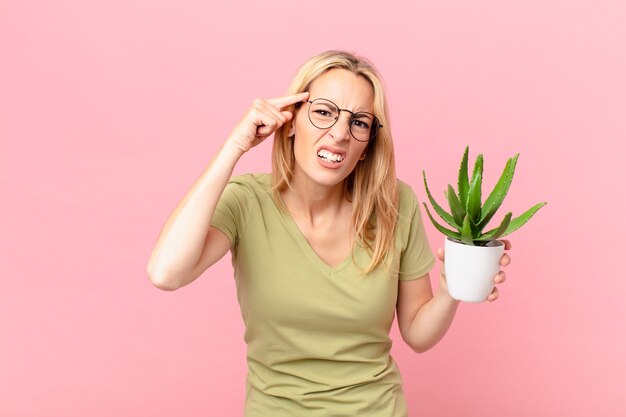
373,130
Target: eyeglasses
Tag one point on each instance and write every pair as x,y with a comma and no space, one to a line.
323,114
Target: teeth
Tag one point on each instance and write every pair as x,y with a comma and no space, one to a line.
329,156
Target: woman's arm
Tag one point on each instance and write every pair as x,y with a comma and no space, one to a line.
424,319
187,236
187,244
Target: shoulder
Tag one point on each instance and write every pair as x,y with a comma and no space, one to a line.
254,180
253,184
409,211
407,200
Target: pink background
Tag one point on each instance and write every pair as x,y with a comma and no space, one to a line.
109,110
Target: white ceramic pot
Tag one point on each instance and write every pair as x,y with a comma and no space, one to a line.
470,270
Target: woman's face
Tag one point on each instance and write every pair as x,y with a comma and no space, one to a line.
327,156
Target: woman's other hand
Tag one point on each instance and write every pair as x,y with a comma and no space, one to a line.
498,279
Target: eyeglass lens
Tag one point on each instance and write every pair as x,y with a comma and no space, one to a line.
324,114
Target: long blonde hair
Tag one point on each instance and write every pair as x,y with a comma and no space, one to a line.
372,185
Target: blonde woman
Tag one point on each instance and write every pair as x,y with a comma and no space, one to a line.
326,249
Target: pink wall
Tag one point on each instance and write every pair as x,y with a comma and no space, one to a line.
110,109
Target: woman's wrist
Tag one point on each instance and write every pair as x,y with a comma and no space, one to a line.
232,149
443,292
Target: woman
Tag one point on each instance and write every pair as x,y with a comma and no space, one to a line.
326,250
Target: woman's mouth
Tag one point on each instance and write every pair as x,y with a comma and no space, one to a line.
328,156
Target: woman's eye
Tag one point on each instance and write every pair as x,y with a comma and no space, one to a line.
324,113
360,123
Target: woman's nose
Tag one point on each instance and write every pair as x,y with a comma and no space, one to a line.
341,129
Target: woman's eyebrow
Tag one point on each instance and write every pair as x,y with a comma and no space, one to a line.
363,113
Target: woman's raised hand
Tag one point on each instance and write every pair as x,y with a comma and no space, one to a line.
263,119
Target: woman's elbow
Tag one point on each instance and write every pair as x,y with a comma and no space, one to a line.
418,346
162,281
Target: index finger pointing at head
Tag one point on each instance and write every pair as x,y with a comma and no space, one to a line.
288,100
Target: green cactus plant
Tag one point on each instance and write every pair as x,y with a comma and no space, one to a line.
468,214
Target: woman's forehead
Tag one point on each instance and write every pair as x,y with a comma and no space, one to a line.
345,88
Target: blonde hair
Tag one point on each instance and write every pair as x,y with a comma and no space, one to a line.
372,185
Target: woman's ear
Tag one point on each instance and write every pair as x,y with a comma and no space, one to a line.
292,131
363,155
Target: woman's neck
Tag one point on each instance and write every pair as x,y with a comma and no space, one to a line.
314,202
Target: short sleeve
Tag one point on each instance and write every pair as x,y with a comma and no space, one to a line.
416,258
232,210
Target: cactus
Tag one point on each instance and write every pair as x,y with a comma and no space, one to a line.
468,215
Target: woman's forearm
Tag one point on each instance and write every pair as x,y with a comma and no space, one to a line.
182,238
432,320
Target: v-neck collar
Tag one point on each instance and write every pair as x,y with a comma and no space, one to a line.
296,232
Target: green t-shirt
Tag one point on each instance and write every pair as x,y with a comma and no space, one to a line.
318,336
